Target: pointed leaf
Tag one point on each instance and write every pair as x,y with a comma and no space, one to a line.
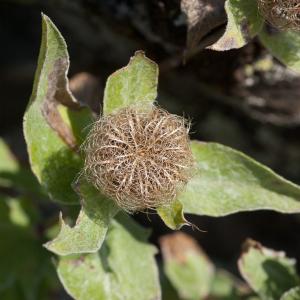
228,181
135,83
244,22
172,215
124,268
269,273
51,140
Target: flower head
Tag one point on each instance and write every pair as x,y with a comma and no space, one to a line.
138,157
282,14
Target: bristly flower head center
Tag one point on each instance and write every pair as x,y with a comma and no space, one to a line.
282,14
138,157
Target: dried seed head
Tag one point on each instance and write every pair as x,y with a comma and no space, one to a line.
282,14
140,158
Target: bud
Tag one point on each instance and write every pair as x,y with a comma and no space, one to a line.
139,158
282,14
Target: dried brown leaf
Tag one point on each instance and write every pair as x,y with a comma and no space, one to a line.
58,93
203,17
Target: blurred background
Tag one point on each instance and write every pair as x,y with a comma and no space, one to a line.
241,98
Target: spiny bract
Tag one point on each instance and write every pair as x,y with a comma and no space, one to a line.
140,158
282,14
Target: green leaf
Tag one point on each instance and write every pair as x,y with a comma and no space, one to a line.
85,276
173,215
25,265
13,176
135,83
228,181
226,287
292,294
7,161
91,226
51,140
186,266
244,23
269,273
8,165
284,45
124,268
129,250
191,279
17,214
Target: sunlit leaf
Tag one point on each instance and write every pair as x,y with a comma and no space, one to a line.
124,268
134,84
244,22
228,181
51,133
91,226
172,215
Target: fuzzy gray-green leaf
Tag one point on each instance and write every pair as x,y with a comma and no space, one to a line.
91,226
51,141
228,181
134,84
124,268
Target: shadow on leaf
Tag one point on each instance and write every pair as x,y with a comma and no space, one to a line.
58,174
280,278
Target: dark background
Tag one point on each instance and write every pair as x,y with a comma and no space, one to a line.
257,113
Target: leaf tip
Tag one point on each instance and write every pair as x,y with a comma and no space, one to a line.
45,18
248,244
139,53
